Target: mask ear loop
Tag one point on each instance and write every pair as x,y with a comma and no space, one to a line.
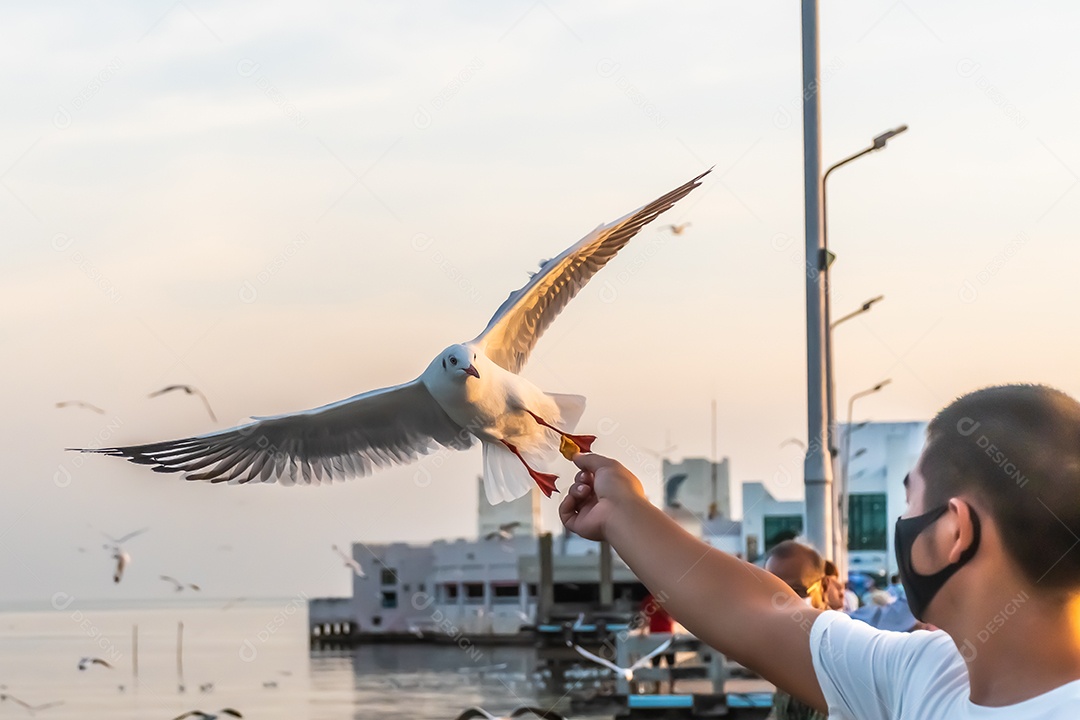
976,535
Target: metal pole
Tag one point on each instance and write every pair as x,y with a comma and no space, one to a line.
817,469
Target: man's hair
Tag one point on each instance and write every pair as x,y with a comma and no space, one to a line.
1016,448
789,549
831,570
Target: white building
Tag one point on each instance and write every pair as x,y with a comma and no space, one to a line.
881,454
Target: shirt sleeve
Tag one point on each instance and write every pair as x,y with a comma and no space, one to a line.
861,670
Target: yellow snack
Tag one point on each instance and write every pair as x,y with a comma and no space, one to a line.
568,448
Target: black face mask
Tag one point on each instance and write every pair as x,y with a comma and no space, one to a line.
921,589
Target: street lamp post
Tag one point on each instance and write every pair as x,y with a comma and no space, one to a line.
824,260
841,557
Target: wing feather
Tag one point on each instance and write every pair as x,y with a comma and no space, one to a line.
344,439
519,322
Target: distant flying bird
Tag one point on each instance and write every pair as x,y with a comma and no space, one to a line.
523,711
80,403
88,661
190,390
209,716
122,559
350,562
676,229
469,391
178,586
793,441
27,706
626,672
232,602
505,531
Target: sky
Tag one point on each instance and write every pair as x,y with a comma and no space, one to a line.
289,203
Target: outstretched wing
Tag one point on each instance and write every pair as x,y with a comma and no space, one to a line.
645,660
597,659
124,538
344,439
520,321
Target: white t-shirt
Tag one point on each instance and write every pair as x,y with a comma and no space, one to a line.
870,674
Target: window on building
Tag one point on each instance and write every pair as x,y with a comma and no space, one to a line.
779,528
421,587
533,590
474,592
388,576
867,517
376,620
389,599
449,592
505,593
405,587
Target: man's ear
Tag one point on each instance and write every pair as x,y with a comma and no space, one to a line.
962,535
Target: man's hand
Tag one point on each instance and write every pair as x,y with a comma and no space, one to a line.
600,488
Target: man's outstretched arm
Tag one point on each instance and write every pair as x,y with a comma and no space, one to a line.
746,613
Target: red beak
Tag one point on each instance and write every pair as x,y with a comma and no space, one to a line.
471,370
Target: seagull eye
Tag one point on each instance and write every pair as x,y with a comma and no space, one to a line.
453,360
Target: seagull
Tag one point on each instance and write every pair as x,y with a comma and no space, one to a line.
677,229
88,661
122,559
469,391
208,716
350,562
178,586
190,390
27,706
479,712
81,403
505,531
626,672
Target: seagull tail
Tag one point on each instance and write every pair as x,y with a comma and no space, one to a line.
505,478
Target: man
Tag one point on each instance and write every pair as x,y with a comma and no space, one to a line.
989,551
804,571
896,588
839,596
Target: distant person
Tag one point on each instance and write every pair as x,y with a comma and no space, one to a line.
801,567
896,588
987,551
838,596
659,622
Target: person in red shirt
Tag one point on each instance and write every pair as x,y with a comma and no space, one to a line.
659,622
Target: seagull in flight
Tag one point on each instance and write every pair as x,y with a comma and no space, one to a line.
88,661
190,390
178,586
470,391
523,711
505,531
27,706
122,557
81,403
677,229
350,562
626,672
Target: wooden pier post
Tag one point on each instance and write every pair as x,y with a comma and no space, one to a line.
546,598
607,585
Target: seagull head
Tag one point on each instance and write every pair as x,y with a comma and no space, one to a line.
457,362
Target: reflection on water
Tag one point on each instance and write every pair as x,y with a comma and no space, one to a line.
253,657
